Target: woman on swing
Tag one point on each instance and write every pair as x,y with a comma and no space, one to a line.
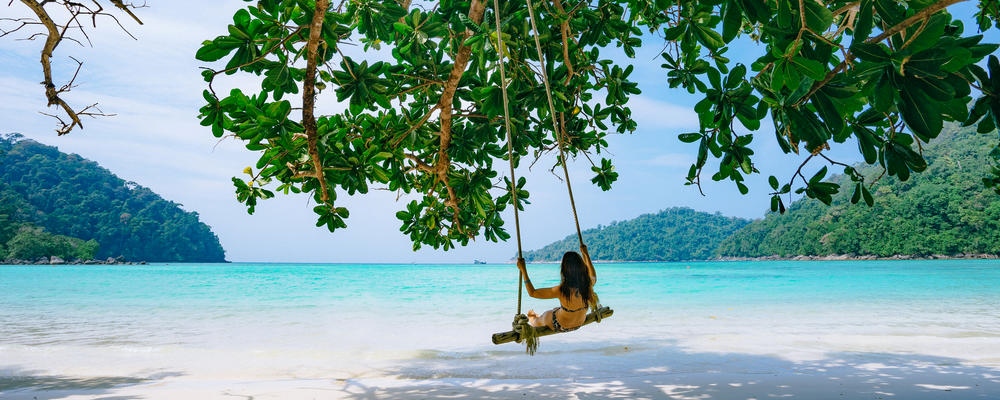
575,293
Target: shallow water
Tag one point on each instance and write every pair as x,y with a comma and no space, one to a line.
299,320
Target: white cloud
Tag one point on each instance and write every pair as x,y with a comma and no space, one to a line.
652,114
673,160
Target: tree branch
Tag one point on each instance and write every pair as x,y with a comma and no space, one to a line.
54,34
52,41
309,95
906,23
476,10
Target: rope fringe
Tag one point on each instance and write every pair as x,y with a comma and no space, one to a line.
595,308
526,333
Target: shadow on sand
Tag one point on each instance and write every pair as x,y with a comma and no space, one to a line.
16,384
581,371
668,372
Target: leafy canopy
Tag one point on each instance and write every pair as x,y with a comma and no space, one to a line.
429,122
425,116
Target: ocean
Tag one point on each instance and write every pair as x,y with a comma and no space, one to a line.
348,322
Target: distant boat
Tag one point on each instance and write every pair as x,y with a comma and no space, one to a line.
478,262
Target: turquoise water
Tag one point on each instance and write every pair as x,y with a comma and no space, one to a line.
241,313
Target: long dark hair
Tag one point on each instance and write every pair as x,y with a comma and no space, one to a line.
576,278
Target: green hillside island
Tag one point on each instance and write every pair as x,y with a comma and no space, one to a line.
57,204
944,211
675,234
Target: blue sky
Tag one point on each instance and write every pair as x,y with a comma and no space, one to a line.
153,86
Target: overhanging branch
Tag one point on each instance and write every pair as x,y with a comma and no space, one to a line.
54,35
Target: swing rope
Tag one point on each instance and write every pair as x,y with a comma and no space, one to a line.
522,329
510,146
560,135
560,142
525,331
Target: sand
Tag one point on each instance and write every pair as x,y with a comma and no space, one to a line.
662,372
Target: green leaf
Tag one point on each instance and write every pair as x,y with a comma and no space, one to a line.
920,113
777,205
866,143
929,33
756,11
732,21
900,159
884,96
818,16
785,14
708,37
605,175
891,12
779,77
831,114
811,68
689,137
242,17
217,49
939,90
735,77
807,127
871,52
818,176
865,21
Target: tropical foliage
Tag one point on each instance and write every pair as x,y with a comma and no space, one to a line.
943,211
52,203
427,85
432,121
675,234
32,243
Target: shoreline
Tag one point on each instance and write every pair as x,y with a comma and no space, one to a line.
55,260
867,257
829,257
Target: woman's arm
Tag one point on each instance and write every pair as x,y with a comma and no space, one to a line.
590,264
544,293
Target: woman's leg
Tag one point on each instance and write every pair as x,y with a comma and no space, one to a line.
540,320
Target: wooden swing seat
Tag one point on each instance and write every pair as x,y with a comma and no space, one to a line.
512,336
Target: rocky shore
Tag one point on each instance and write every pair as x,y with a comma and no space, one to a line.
851,257
60,261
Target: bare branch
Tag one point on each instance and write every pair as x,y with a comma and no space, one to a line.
123,7
54,34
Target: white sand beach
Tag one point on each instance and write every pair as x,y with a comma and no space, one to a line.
639,373
575,370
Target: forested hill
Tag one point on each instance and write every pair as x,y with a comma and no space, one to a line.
675,234
943,211
49,196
